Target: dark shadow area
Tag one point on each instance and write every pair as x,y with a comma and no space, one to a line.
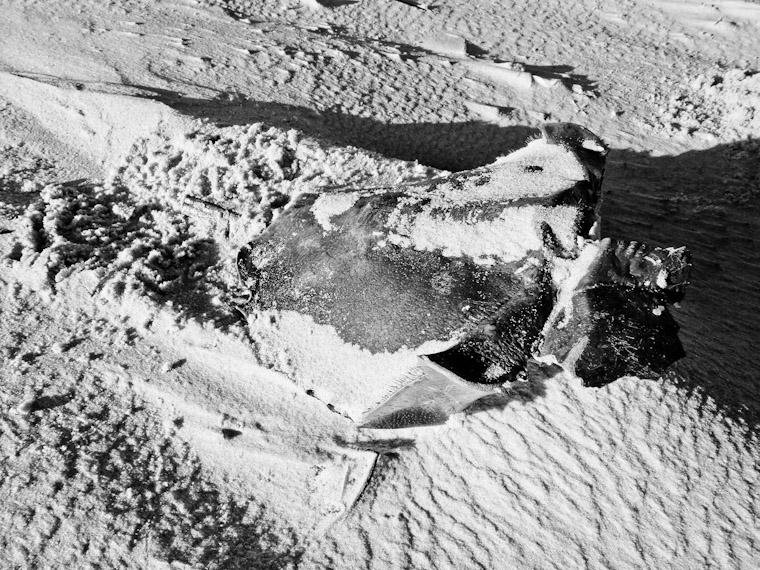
474,50
229,433
709,201
336,3
177,364
13,203
49,402
415,4
450,146
562,73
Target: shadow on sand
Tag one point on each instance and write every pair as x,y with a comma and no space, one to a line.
449,146
709,201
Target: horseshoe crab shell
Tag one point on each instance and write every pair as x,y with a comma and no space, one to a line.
453,284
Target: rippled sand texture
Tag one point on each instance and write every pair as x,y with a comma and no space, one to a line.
142,144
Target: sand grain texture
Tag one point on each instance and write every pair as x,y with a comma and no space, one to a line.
142,143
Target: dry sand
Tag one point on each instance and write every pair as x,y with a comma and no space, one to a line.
142,143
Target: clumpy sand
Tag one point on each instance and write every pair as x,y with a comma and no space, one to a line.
144,423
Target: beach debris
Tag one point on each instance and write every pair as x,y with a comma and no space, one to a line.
476,272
